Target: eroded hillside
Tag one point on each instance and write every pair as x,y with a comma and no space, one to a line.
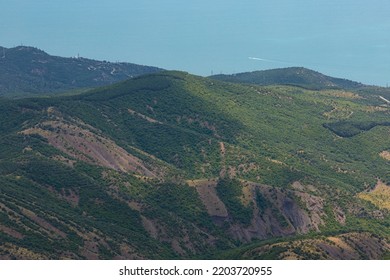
172,165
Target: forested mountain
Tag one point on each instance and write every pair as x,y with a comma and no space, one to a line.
297,76
28,71
172,165
302,77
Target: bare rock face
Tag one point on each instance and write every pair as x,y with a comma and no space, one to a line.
285,213
83,142
276,212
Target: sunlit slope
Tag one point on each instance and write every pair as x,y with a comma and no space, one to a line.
188,166
285,124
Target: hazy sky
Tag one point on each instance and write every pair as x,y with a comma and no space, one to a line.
344,38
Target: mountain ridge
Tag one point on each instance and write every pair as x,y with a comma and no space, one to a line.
28,71
295,76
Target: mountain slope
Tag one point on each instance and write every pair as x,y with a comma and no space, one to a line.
25,71
297,76
172,165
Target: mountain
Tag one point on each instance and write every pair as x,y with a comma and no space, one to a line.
171,165
296,76
28,71
304,78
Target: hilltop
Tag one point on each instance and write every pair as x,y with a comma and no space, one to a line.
295,76
28,71
304,78
172,165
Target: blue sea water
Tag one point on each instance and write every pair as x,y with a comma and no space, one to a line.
343,38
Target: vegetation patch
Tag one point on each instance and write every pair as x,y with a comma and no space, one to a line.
379,196
385,155
230,192
206,189
352,128
352,246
